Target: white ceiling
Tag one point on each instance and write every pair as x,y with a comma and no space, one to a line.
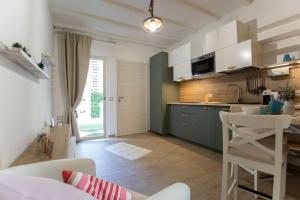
122,19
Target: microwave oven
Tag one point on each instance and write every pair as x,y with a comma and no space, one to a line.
203,65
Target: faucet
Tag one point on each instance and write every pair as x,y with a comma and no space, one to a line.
238,94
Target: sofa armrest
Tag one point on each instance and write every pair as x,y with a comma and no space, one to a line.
53,168
177,191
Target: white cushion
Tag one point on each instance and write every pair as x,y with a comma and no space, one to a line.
17,187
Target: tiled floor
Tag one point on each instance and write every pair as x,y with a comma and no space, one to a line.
172,160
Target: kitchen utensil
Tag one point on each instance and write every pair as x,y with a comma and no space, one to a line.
255,81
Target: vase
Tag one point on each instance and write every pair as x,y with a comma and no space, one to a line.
288,107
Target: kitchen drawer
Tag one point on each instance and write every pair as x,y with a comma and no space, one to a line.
185,116
184,130
189,109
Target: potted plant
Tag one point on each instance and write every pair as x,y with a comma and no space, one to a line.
288,95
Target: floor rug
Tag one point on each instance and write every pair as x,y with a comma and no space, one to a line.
131,152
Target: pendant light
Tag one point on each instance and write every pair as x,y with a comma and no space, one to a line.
152,23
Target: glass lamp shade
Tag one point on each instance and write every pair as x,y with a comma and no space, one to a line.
153,24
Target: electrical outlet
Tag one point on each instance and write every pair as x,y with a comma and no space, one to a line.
297,92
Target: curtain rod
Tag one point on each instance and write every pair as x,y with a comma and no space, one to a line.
99,37
58,29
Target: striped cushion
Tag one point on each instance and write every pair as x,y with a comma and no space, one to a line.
96,187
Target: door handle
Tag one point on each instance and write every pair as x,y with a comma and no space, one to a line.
120,99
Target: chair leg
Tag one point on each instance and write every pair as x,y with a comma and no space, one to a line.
231,170
283,180
224,180
277,185
236,178
256,178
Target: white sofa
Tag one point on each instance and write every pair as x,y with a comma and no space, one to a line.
52,169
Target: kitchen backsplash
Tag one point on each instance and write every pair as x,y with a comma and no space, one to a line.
195,90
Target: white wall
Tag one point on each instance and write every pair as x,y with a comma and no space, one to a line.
111,54
269,21
25,103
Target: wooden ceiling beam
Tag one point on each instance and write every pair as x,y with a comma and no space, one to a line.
145,13
102,36
100,18
199,8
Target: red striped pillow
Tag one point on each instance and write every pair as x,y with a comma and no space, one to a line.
96,187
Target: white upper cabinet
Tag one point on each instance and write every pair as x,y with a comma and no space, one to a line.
232,33
180,54
238,56
180,60
182,70
211,41
227,35
185,52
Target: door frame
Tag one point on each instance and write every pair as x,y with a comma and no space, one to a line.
147,81
104,101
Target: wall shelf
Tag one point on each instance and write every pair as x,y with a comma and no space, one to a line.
291,64
19,57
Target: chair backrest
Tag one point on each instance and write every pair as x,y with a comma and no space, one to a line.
270,124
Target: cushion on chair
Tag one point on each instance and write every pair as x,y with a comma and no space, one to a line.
17,187
249,151
96,187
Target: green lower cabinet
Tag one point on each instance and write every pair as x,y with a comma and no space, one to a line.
198,124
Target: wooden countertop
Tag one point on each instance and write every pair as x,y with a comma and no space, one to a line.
212,104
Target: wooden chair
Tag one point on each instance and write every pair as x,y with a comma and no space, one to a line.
260,152
253,172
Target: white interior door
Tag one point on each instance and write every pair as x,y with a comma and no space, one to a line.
132,98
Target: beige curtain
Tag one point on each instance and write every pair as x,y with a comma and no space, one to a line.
75,56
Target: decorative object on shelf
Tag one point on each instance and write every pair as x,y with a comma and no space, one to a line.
275,106
41,65
18,56
47,60
288,95
287,58
19,46
152,23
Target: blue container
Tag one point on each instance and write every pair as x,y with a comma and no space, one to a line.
287,58
275,106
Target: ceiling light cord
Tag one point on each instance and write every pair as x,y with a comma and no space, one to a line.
151,8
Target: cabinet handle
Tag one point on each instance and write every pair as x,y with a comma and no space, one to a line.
184,115
205,108
184,123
